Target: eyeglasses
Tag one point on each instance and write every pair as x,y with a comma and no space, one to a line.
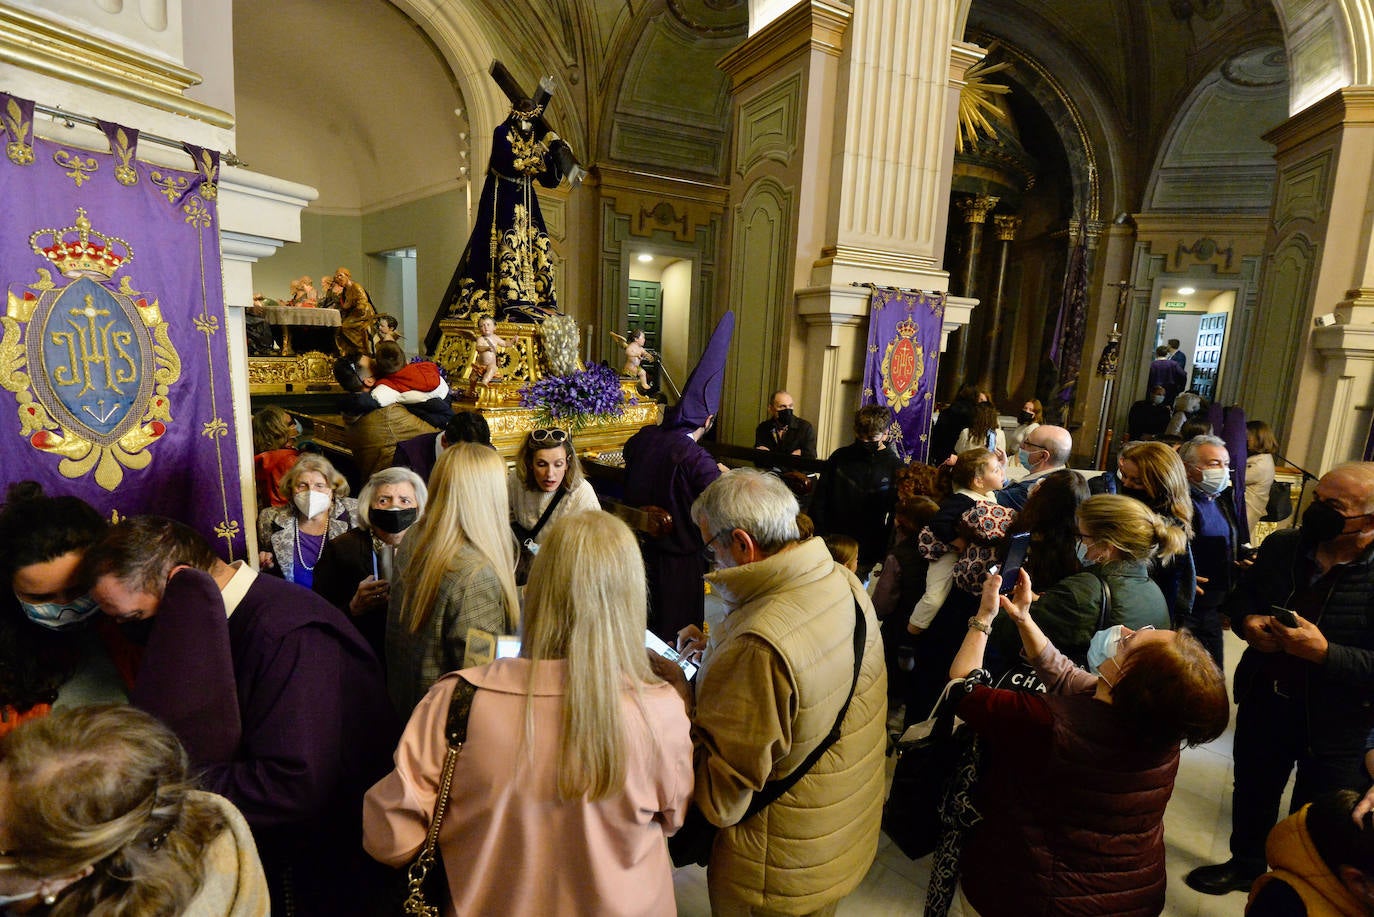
553,435
707,551
1127,638
1026,445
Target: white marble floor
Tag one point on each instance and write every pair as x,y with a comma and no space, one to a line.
1196,827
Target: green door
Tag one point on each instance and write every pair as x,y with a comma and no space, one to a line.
645,313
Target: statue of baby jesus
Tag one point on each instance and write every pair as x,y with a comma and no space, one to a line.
488,345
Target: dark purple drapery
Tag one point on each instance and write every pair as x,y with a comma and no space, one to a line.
903,356
114,369
1071,327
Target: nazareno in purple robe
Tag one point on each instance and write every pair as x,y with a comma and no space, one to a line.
285,709
665,467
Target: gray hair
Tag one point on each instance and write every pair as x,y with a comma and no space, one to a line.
752,500
1187,450
383,478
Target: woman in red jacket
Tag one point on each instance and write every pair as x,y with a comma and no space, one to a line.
1074,782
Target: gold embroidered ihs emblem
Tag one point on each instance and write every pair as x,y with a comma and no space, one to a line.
90,363
903,366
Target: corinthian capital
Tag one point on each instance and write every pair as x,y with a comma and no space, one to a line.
977,207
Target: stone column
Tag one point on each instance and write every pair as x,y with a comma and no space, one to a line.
844,142
994,375
975,210
1314,384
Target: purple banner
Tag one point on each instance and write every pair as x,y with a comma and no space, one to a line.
903,356
114,369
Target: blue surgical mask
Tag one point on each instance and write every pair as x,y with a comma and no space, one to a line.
1214,480
1104,646
59,617
1023,457
1082,551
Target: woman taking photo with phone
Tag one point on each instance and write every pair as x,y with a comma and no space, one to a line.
577,763
1100,753
1117,539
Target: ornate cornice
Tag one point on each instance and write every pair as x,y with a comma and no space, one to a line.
46,48
1351,105
815,25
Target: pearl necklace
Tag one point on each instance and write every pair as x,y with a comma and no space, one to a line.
309,568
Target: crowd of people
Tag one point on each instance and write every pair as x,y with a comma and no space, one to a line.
455,662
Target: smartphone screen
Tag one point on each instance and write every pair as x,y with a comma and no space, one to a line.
1284,616
992,440
655,643
1013,559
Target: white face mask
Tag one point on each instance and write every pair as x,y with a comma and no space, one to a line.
311,503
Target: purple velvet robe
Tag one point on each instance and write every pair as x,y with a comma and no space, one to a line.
284,708
665,467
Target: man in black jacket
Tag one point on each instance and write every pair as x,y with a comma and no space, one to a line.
1305,686
858,488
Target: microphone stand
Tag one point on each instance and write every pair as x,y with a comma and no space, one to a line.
1302,488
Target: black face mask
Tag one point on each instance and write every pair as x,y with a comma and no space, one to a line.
784,418
1025,417
1321,523
873,446
1140,495
393,521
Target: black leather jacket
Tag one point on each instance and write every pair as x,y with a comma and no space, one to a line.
1339,693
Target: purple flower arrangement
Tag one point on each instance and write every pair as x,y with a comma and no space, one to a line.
576,398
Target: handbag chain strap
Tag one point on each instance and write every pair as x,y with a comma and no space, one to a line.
455,731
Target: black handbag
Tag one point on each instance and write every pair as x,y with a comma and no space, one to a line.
525,538
1279,506
425,883
694,840
925,766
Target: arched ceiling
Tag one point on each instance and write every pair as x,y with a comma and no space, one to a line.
347,96
1129,65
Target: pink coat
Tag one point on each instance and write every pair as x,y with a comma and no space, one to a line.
508,843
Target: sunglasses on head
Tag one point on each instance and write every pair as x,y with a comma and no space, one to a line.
554,436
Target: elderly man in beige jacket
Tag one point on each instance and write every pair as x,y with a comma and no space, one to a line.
775,676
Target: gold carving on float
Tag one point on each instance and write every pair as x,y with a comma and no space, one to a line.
313,371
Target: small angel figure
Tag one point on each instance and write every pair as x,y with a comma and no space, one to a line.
386,328
484,357
635,353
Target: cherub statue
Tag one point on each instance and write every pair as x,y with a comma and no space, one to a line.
635,353
484,356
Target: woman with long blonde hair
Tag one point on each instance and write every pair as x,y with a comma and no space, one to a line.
1154,474
455,571
577,802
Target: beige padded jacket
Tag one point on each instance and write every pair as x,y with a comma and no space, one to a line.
775,675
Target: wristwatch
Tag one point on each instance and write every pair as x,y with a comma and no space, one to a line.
975,623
